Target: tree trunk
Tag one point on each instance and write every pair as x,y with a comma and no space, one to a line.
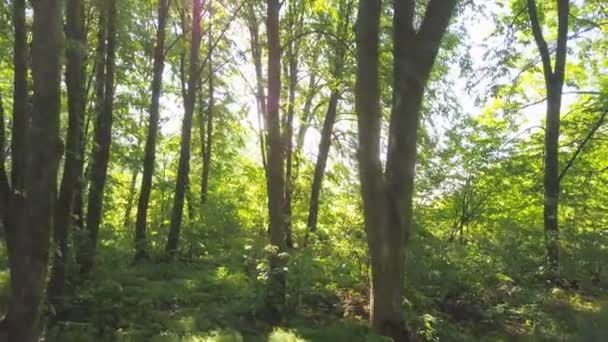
131,197
5,191
209,122
184,156
75,82
4,186
275,298
292,68
324,145
256,54
102,142
387,196
28,269
307,115
554,81
150,149
337,68
14,199
20,100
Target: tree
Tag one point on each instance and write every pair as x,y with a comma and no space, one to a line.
387,194
150,149
256,54
275,298
13,194
76,89
295,19
207,137
184,155
554,83
103,130
20,99
339,48
30,232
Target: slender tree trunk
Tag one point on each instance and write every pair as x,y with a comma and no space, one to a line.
292,61
256,54
5,190
184,156
150,149
275,298
324,145
307,114
337,67
102,142
20,100
387,195
209,122
14,196
554,81
28,269
84,249
75,82
4,185
131,197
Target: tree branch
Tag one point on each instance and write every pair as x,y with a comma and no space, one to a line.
543,48
594,129
436,20
563,9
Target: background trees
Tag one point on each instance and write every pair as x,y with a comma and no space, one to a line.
247,131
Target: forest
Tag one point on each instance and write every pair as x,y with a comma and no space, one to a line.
303,170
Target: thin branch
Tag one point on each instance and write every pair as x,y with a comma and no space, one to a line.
580,148
540,40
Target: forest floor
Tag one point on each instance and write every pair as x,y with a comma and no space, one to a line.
206,301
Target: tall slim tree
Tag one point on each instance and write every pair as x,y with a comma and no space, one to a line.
275,298
150,149
295,20
256,55
42,151
207,138
3,175
14,199
387,194
20,99
102,137
184,155
75,79
337,70
4,184
554,83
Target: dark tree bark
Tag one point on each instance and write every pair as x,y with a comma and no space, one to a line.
275,298
554,82
208,143
13,195
20,100
387,195
32,233
184,156
4,186
330,116
75,82
102,141
150,149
